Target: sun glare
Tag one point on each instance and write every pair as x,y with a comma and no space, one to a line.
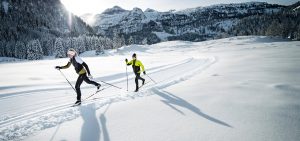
80,7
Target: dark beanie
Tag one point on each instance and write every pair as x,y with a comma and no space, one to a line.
134,55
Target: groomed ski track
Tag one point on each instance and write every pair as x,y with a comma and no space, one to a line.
46,115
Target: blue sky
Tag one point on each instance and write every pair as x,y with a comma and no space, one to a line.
80,7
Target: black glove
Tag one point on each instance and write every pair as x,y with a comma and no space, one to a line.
144,72
126,60
58,67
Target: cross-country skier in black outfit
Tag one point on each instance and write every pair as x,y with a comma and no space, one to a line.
136,65
82,69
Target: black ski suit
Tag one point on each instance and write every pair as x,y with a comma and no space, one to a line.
81,69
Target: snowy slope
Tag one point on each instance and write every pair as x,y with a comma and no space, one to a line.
230,89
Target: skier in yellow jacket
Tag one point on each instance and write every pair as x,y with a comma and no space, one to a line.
136,66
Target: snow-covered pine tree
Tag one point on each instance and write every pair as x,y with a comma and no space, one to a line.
130,40
145,41
34,50
68,43
275,29
9,49
94,42
74,43
100,46
123,43
85,41
2,48
59,49
117,42
80,45
47,45
88,43
108,43
298,34
20,50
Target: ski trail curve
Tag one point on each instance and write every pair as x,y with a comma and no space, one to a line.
17,128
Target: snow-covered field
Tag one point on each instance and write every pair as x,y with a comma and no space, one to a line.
240,88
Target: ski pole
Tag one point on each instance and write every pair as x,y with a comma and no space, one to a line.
95,93
151,79
127,77
111,84
67,80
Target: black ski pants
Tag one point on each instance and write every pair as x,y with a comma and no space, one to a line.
80,79
137,77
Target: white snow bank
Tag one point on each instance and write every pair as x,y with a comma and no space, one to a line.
8,59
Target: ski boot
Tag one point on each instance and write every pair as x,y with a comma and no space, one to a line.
136,90
78,102
98,87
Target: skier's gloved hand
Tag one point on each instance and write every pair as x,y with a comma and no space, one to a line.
90,76
144,72
126,60
58,67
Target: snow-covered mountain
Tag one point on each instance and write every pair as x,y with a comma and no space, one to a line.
114,10
194,24
173,18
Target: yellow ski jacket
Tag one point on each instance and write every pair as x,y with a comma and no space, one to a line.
136,65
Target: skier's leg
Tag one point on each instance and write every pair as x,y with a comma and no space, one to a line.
77,86
143,80
139,77
87,80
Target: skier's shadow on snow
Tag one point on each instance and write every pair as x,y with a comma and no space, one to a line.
91,129
103,125
170,100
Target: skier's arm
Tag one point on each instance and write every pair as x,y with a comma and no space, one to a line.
129,63
86,68
142,66
66,66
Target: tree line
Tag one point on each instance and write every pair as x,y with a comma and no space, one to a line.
37,48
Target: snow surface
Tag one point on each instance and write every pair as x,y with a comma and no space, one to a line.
239,88
8,59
